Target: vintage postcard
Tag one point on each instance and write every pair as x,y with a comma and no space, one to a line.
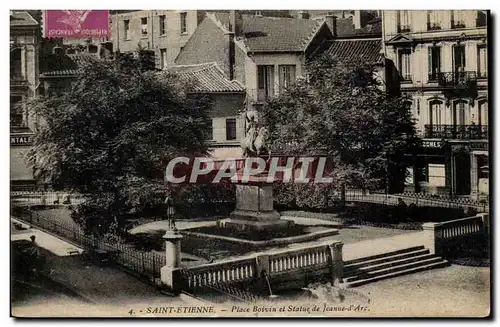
249,163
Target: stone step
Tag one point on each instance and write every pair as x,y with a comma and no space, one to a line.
349,268
382,255
392,266
418,268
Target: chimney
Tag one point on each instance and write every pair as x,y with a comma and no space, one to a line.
235,22
58,50
331,21
356,19
303,14
231,55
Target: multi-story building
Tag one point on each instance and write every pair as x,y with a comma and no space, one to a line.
24,82
442,60
163,31
264,54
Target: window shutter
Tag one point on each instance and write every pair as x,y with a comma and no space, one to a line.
429,56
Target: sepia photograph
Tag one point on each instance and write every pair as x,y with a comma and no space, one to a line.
248,163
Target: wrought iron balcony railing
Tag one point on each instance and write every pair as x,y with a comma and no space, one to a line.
463,132
433,26
404,28
457,24
456,79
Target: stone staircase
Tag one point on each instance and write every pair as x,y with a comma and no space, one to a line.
373,268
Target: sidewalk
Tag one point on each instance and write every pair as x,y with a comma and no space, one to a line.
113,290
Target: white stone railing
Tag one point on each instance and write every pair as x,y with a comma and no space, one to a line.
438,235
292,260
274,264
231,271
459,227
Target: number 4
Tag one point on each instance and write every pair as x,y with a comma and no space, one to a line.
131,312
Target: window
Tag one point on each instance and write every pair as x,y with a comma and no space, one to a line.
15,64
163,30
458,18
126,29
434,20
483,113
144,26
437,113
210,131
434,63
163,58
458,59
481,19
183,22
92,48
266,82
287,76
16,112
461,113
437,175
482,61
404,21
230,129
404,64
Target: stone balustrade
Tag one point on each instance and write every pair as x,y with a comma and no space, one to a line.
291,266
439,235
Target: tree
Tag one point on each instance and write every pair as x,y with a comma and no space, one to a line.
111,136
339,111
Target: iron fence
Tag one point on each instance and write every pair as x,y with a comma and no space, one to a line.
146,265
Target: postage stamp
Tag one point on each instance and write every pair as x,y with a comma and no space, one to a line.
76,23
250,163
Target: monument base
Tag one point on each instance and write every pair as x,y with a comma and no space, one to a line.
244,224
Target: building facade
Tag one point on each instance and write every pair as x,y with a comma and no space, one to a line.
442,62
257,51
163,31
24,83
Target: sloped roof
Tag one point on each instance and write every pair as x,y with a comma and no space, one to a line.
22,18
65,65
207,78
351,51
274,34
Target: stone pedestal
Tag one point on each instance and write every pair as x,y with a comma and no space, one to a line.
432,237
254,209
170,272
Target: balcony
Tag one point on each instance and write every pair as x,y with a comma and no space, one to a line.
433,26
404,28
457,79
462,132
457,24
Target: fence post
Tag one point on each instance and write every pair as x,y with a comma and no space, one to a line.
170,273
486,221
433,237
143,266
336,261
